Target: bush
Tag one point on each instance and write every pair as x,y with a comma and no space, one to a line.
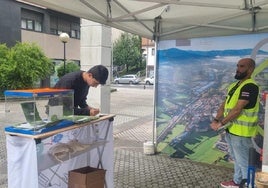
22,65
69,67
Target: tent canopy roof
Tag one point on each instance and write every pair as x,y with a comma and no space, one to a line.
170,19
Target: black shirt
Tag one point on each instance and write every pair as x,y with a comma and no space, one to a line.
74,80
249,92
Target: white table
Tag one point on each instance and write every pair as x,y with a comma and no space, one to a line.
30,164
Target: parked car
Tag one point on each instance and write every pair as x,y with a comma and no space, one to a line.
149,80
127,79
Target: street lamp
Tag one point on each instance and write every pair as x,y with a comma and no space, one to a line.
64,37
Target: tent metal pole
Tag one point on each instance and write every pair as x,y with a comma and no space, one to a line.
157,30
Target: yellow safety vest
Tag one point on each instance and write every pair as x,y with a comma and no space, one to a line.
246,123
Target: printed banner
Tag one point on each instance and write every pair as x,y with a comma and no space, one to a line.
193,75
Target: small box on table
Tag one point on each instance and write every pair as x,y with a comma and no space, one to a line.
87,177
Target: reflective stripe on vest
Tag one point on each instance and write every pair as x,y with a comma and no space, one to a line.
246,122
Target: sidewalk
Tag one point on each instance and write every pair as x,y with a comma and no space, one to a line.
134,169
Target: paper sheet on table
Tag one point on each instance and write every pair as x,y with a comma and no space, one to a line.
55,112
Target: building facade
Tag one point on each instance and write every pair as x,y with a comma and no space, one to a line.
149,53
22,22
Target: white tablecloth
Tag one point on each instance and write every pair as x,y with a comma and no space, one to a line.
30,165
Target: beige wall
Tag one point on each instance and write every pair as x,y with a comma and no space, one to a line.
96,50
116,33
52,46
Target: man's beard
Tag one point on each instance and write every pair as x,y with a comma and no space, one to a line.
240,76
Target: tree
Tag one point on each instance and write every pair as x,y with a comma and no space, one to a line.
127,51
23,65
69,67
3,65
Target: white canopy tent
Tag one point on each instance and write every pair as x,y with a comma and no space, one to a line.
171,19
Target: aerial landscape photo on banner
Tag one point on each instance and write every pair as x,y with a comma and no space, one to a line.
193,75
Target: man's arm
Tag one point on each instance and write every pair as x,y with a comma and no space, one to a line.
88,111
233,114
215,123
81,97
220,112
81,111
247,99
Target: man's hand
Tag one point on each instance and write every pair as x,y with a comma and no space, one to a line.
215,125
94,111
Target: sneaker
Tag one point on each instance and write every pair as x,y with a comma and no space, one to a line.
229,184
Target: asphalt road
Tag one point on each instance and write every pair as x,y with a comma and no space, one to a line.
137,86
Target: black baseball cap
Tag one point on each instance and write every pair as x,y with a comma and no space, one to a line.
100,73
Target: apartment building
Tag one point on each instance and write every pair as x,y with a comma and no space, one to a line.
24,22
149,53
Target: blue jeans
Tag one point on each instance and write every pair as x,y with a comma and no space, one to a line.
239,151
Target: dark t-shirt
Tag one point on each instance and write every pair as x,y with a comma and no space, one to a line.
250,93
74,80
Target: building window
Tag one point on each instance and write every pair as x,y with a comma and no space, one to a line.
30,24
53,31
59,25
153,51
75,30
38,26
27,24
75,34
31,20
23,24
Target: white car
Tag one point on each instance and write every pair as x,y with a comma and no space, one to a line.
127,79
149,80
